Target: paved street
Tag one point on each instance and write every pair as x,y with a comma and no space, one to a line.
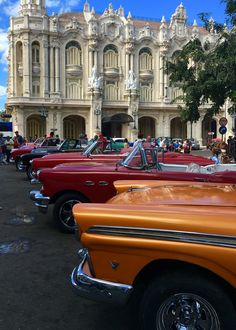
36,261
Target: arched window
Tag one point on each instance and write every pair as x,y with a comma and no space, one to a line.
73,53
35,86
111,91
146,92
74,88
145,59
110,56
35,53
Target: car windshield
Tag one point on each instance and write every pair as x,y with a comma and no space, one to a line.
141,158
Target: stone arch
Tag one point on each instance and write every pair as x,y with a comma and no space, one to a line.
147,126
35,125
73,126
178,128
208,125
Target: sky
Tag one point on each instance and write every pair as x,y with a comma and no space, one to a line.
150,9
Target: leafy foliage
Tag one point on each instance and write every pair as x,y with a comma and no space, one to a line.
207,73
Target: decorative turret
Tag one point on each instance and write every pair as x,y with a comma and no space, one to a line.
163,30
178,23
32,8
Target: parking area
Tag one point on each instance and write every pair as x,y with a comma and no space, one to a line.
36,261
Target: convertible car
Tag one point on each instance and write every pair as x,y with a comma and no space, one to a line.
68,184
168,251
95,153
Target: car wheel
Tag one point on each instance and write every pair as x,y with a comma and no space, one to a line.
17,163
29,172
62,212
186,301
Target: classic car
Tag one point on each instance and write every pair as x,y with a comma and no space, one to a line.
41,143
68,145
95,153
67,184
168,251
113,152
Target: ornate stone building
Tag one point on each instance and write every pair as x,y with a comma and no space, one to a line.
83,72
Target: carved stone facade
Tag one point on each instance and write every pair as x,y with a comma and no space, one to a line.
73,72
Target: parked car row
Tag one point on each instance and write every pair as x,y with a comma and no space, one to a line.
159,242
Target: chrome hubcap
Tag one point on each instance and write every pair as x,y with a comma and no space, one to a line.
65,213
187,312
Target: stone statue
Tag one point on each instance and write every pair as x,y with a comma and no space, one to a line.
95,81
131,82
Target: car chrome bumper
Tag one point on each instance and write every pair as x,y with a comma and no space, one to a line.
22,167
40,200
99,290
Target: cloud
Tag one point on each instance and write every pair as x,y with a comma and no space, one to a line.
11,8
3,91
53,3
62,7
3,47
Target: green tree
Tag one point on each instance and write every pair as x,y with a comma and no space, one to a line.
207,73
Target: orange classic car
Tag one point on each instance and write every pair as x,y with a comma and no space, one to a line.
168,249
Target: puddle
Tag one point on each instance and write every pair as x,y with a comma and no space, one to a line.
15,247
21,220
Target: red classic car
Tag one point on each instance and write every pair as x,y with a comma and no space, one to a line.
28,147
95,153
68,184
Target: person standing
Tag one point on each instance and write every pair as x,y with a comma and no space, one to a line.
18,140
9,146
2,149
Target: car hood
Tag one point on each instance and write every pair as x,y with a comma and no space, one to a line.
85,166
180,194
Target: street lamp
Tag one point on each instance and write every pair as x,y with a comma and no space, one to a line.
135,114
97,113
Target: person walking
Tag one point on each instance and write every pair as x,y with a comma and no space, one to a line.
9,143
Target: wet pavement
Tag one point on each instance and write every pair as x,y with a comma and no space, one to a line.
36,261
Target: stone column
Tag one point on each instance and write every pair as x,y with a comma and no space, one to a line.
45,81
95,54
90,63
132,62
57,70
26,68
161,76
52,74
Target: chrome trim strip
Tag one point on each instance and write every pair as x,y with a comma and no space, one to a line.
163,234
95,289
89,183
103,183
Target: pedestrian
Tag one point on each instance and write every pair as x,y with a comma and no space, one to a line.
9,143
139,139
147,142
2,147
103,141
126,143
18,140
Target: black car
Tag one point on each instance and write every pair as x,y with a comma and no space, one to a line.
68,145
